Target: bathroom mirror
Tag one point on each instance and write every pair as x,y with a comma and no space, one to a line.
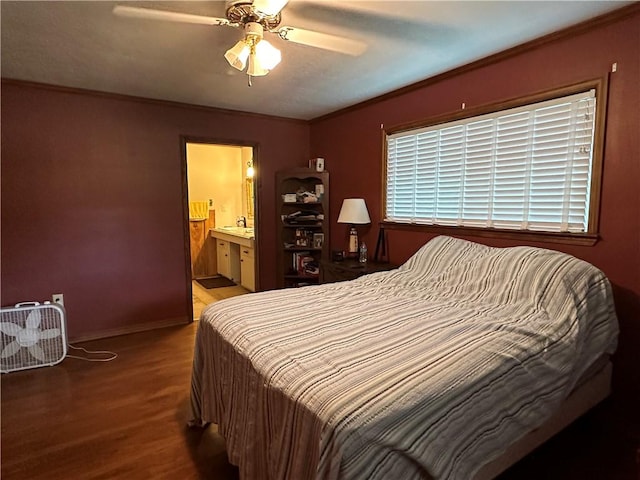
250,199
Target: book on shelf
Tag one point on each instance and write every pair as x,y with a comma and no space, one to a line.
296,259
305,264
310,267
302,217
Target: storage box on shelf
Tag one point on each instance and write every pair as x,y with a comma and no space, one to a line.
303,225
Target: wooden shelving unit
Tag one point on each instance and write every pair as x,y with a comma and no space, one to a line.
301,225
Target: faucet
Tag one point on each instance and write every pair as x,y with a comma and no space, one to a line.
241,222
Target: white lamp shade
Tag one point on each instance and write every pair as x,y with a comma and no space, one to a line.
354,210
261,55
255,68
269,55
237,55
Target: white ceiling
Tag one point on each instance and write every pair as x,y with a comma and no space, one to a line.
84,45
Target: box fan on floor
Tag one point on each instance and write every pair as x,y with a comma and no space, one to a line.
32,335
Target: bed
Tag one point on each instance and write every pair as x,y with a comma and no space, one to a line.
454,365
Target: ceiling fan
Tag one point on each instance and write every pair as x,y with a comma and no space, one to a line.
257,18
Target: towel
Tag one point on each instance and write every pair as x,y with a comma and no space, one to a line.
198,211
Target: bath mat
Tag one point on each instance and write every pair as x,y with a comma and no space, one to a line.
215,282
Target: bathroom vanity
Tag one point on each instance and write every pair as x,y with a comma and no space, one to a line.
235,254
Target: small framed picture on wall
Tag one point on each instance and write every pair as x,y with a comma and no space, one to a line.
318,240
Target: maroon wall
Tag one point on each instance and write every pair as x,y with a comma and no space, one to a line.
352,145
92,201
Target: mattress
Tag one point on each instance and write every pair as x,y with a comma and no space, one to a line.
430,370
594,386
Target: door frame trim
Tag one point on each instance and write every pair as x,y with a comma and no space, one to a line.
184,140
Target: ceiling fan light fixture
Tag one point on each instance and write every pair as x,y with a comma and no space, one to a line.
269,55
255,68
238,54
256,17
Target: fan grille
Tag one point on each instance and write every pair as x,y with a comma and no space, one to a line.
50,350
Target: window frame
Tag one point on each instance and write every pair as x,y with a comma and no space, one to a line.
590,237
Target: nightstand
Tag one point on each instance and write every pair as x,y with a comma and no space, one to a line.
350,269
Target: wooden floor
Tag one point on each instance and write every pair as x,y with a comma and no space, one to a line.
204,296
126,419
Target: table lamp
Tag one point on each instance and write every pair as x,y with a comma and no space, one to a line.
354,212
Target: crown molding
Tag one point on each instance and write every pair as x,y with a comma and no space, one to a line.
579,28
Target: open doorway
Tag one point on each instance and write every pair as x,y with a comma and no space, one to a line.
222,221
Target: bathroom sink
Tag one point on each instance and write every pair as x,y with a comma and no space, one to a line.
237,229
242,232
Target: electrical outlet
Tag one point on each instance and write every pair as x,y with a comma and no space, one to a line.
58,298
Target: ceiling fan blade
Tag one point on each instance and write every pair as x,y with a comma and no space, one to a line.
269,7
322,40
151,14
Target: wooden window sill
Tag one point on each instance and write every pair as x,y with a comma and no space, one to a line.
584,239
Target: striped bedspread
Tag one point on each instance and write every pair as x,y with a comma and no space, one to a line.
426,371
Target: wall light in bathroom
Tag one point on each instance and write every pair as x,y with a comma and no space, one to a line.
250,171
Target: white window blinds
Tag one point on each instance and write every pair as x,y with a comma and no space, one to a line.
526,168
